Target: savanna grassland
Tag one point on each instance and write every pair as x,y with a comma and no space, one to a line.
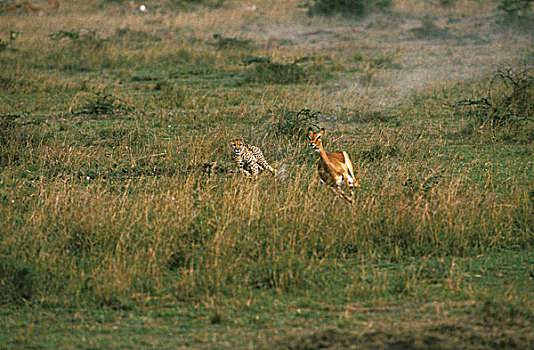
123,225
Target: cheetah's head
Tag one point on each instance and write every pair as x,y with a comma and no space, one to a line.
238,146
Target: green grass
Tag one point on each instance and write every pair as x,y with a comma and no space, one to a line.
421,294
115,233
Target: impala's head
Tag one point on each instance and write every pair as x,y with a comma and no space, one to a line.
316,139
238,146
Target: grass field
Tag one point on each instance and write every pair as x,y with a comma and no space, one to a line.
122,224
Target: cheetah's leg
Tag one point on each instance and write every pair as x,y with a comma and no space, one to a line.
255,170
241,168
266,165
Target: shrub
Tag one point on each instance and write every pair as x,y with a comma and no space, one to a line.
265,71
507,107
189,4
447,3
221,42
429,30
81,36
517,13
515,8
347,7
291,123
277,73
103,103
17,282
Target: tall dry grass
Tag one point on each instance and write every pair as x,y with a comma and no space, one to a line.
191,236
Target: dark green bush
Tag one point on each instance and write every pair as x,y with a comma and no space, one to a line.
447,3
276,73
347,7
517,14
221,42
292,123
429,30
103,103
77,36
3,44
515,8
190,4
301,70
18,282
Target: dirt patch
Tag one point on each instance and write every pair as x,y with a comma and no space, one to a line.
442,336
488,326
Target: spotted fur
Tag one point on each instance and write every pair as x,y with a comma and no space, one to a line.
249,159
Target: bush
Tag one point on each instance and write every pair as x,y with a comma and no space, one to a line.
429,30
103,103
190,4
277,73
508,107
347,7
517,13
265,71
447,3
17,282
221,42
290,123
515,8
3,44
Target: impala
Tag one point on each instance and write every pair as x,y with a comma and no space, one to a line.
334,168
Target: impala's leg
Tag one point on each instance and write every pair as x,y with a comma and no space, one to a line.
338,192
353,183
344,195
349,187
